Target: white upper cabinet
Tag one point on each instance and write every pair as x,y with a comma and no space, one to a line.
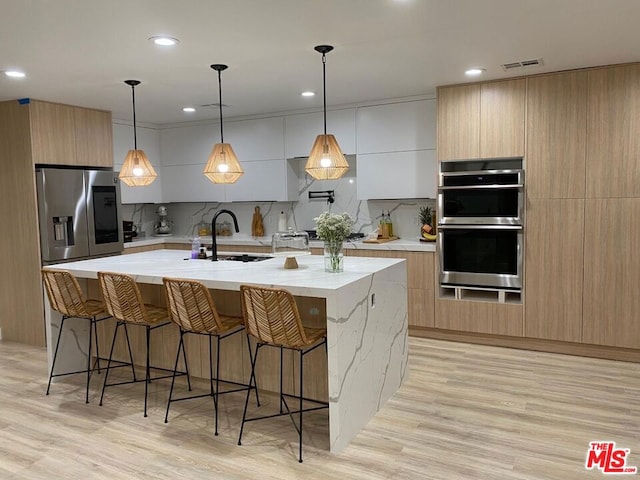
148,140
187,183
261,139
411,174
188,145
265,180
302,129
397,127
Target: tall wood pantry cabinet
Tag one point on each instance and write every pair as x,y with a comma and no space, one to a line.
34,132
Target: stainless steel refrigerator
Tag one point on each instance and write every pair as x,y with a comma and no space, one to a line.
79,212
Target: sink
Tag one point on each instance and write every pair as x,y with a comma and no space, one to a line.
242,258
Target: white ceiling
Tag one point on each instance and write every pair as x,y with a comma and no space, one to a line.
80,51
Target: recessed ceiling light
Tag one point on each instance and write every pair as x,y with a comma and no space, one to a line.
474,72
164,41
15,74
308,94
189,109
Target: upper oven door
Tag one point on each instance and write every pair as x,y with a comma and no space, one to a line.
481,198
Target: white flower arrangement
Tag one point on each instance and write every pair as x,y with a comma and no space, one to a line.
333,227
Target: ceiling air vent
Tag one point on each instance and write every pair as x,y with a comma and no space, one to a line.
536,62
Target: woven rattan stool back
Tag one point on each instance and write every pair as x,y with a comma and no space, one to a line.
271,315
65,294
191,306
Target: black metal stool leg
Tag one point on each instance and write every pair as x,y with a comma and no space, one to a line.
133,368
281,373
301,396
217,380
55,354
95,339
106,375
147,379
186,365
89,361
256,384
246,402
173,378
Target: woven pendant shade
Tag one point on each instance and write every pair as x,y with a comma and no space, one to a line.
137,170
223,165
326,160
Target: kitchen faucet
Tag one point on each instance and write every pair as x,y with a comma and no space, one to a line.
214,244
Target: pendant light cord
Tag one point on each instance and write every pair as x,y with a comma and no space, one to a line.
324,91
135,137
220,104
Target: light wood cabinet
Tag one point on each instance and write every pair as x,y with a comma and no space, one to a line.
502,107
554,269
459,122
93,137
613,139
611,272
67,135
556,135
479,317
483,120
53,137
420,282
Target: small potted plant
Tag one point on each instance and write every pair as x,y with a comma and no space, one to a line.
427,230
333,228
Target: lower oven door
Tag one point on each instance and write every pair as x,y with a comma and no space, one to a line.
488,256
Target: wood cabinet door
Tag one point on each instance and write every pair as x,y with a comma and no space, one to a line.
554,269
52,133
479,317
556,135
502,107
93,137
613,135
459,122
611,302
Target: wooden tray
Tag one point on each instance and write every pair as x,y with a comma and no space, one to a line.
380,240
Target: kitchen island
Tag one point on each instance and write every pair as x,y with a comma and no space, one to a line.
366,319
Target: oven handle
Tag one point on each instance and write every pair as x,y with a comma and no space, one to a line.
480,187
479,227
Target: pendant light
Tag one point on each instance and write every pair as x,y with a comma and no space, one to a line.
326,160
223,165
137,170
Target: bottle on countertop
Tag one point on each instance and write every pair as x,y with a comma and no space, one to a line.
389,224
203,254
282,222
195,248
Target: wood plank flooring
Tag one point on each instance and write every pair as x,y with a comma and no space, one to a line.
464,412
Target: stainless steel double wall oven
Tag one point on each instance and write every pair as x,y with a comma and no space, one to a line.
481,210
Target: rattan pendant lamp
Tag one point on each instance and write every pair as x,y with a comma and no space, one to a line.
326,160
223,165
137,170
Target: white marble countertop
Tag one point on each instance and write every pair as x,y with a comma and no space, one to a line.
409,244
309,279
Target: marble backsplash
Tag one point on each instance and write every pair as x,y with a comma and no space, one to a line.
185,217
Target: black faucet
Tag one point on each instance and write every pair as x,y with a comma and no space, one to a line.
214,244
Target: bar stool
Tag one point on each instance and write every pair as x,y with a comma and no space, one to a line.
271,316
66,298
192,308
124,302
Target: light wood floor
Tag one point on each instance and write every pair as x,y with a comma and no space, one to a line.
464,412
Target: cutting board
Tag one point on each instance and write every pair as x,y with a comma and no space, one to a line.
380,240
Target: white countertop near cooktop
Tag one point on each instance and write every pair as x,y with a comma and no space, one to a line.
402,244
